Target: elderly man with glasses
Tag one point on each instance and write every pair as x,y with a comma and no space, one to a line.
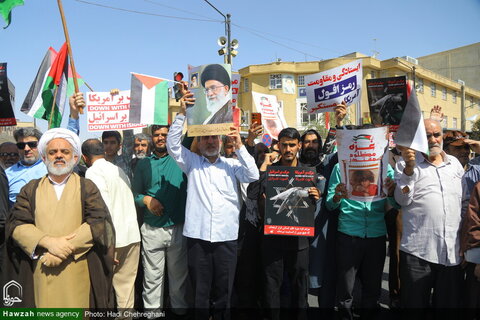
8,154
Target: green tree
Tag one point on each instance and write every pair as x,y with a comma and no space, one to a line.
476,130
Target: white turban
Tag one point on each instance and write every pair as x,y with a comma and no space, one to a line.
60,133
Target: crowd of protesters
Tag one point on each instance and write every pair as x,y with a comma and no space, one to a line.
174,223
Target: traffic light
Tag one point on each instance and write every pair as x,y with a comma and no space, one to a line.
177,76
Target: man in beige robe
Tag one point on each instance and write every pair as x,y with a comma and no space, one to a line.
64,230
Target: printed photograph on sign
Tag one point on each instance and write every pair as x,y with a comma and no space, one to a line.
364,182
327,89
363,162
194,80
289,210
271,112
387,98
212,112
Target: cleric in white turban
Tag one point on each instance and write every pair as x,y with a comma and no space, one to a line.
72,139
62,219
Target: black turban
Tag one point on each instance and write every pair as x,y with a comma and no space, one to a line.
215,72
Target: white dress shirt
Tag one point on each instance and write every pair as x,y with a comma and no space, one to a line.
431,210
212,209
114,187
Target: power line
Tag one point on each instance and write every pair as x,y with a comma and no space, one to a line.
278,43
250,30
282,37
173,8
146,13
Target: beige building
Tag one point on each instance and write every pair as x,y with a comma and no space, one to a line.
460,63
432,89
6,133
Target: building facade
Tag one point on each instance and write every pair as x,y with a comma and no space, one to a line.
432,89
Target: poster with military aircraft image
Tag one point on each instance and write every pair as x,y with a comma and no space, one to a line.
289,210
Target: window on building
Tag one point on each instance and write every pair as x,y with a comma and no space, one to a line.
433,90
419,85
454,96
275,81
301,80
454,123
308,118
444,93
445,122
246,85
372,74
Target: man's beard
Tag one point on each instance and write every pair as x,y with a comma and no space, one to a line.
60,171
437,146
160,149
207,153
219,101
310,155
29,161
141,155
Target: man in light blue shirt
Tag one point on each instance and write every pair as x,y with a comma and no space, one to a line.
212,213
31,165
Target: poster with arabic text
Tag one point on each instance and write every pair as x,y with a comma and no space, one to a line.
109,112
328,88
363,162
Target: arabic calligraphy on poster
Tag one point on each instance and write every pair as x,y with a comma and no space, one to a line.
109,112
328,88
363,162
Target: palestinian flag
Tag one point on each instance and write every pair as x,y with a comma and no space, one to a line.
148,100
411,131
51,78
6,7
70,84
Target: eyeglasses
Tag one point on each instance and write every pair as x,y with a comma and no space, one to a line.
31,145
212,88
8,154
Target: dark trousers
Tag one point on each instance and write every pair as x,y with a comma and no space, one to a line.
418,277
472,301
294,262
249,269
393,221
364,257
211,267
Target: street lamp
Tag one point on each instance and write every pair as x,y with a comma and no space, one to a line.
228,46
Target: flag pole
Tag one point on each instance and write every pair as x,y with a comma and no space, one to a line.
69,46
53,107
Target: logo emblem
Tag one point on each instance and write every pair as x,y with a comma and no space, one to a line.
12,292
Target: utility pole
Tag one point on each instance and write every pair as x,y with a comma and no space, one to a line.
462,105
227,33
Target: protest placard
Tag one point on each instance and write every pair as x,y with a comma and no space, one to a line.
387,98
363,162
109,112
212,113
273,120
328,88
289,210
7,96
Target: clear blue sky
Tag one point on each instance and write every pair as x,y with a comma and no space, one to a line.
108,44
